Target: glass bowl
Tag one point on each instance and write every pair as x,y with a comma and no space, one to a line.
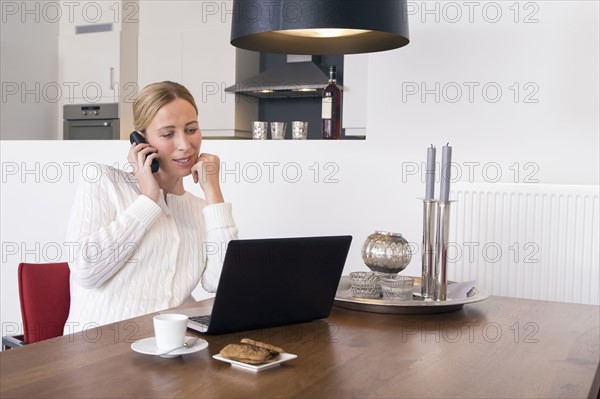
365,285
396,288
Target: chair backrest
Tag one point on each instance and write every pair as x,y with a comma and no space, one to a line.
44,291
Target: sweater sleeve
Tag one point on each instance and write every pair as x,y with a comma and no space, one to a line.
220,229
103,238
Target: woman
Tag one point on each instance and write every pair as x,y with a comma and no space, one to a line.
143,242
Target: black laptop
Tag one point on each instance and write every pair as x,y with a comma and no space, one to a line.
274,282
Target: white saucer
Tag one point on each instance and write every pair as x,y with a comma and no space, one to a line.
147,346
284,357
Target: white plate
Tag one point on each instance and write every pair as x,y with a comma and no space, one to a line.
147,346
284,357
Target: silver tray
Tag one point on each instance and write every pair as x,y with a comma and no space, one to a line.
458,294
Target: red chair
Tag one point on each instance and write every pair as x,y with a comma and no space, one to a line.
44,292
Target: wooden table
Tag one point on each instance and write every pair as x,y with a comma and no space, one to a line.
500,347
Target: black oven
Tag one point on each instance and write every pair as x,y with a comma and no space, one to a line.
91,122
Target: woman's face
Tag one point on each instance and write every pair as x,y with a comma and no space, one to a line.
175,133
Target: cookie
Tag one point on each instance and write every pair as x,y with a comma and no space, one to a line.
246,353
271,348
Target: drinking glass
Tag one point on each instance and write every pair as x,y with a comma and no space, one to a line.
259,130
278,130
299,130
397,288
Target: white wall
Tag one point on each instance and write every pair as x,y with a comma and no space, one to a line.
553,141
554,60
29,71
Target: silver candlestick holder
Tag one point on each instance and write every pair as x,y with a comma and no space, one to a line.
440,280
428,247
434,259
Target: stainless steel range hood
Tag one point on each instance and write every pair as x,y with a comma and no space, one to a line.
300,76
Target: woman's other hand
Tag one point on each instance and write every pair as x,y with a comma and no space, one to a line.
206,171
140,157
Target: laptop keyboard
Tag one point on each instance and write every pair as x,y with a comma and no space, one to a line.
201,319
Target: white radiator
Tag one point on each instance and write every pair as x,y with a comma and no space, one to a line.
527,240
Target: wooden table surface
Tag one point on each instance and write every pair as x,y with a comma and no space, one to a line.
501,347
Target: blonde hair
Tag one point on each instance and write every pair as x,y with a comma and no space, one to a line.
153,97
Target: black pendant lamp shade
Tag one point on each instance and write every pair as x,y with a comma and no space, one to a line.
319,26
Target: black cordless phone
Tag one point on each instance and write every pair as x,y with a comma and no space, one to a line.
135,137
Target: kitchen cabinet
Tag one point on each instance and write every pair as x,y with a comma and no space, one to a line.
86,13
89,67
160,57
207,68
354,114
98,55
196,53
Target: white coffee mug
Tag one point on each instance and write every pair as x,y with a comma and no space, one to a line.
169,330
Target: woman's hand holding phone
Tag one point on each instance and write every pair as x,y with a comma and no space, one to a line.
137,138
206,171
141,156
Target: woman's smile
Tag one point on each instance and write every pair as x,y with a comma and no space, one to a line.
187,162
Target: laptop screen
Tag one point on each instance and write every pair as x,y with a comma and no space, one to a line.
277,281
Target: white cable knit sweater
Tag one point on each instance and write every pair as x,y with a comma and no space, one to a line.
133,256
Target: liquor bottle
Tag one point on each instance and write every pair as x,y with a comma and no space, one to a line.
331,109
